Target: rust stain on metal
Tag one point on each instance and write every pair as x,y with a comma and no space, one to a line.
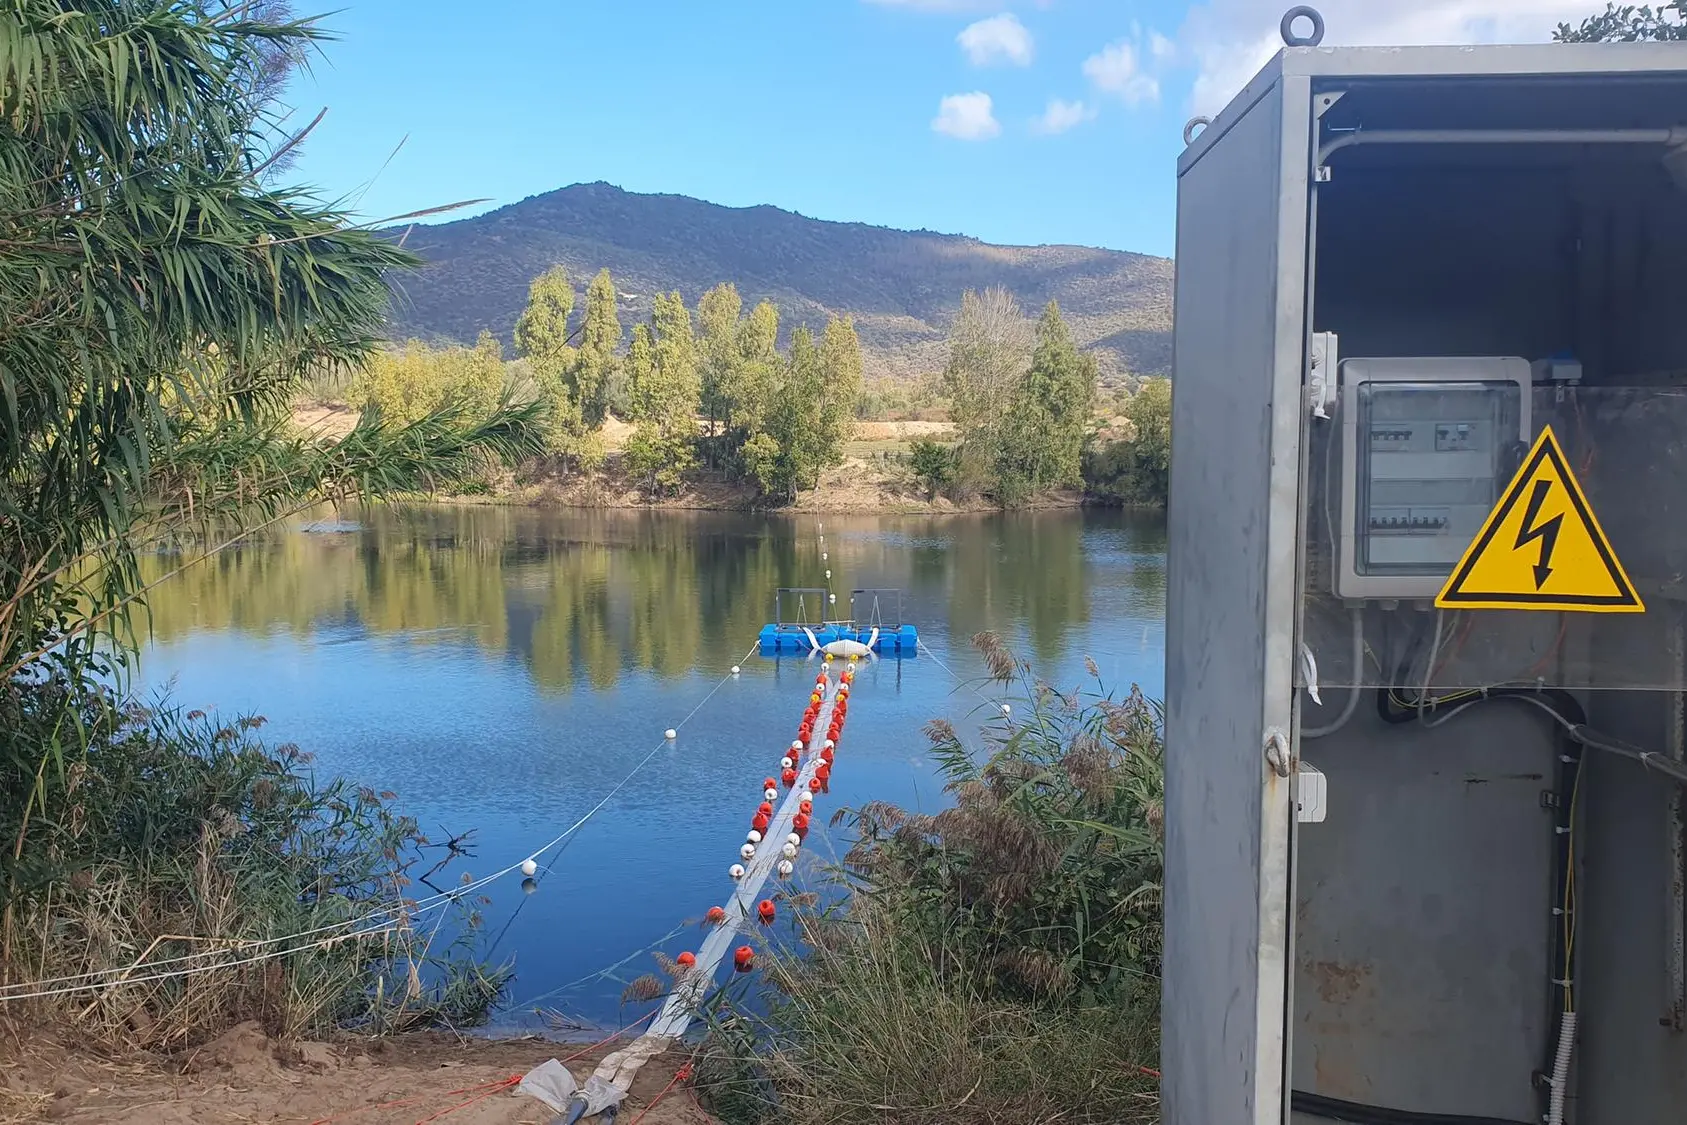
1338,982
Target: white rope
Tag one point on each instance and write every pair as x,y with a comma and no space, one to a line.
968,684
371,923
604,972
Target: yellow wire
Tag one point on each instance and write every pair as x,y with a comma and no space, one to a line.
1570,895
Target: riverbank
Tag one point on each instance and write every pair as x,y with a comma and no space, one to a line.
873,478
244,1078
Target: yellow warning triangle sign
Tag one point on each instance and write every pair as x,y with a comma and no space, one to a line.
1541,548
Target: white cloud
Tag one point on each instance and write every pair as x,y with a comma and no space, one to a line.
1229,40
1160,47
1115,70
1062,115
997,39
967,117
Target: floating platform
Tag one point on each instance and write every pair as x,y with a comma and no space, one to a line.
804,618
902,641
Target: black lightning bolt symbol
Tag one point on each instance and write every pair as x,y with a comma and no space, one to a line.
1547,532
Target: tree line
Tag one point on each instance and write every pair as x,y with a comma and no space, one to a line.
1024,402
710,388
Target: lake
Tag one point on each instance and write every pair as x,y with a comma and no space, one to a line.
503,670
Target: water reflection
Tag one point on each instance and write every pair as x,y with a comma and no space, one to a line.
582,598
503,670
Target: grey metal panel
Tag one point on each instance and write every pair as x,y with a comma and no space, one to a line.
1423,915
1632,1068
1231,610
1494,60
1263,83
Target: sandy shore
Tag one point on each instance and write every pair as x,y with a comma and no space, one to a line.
246,1078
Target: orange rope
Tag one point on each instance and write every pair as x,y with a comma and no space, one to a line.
680,1075
498,1087
606,1042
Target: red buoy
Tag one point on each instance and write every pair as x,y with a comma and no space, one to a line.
768,783
799,823
824,772
814,784
761,821
820,679
686,960
790,778
765,911
765,808
743,958
715,916
827,753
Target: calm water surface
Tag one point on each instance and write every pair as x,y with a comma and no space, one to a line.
503,669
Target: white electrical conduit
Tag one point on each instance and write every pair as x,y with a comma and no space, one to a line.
1561,1069
1355,691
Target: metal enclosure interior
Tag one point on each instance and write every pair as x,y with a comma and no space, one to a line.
1403,953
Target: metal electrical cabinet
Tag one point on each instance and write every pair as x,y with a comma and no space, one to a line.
1455,218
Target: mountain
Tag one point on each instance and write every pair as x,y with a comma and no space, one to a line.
902,287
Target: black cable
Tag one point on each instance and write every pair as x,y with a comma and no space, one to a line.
1334,1109
1569,748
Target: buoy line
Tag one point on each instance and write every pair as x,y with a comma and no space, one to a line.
376,923
770,848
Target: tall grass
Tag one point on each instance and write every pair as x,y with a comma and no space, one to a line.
995,962
150,841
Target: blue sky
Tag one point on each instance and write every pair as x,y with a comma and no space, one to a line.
1022,122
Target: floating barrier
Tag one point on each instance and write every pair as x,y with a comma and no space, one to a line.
805,621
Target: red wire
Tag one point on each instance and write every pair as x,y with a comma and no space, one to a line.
606,1042
680,1075
497,1087
496,1084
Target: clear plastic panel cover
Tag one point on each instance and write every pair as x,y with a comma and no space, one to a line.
1584,543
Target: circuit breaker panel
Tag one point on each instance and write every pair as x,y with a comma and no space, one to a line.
1427,445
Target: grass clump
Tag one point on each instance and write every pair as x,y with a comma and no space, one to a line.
995,962
166,876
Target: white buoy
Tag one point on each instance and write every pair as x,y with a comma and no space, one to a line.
736,871
529,866
817,527
785,868
789,850
830,745
824,556
1006,710
828,576
771,794
735,669
748,851
833,598
796,744
786,763
670,734
794,840
754,837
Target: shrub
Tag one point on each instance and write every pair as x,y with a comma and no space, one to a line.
933,465
997,961
140,841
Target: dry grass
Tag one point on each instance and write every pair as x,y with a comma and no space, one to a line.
998,960
869,1029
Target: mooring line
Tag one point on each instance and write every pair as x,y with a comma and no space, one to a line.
376,923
